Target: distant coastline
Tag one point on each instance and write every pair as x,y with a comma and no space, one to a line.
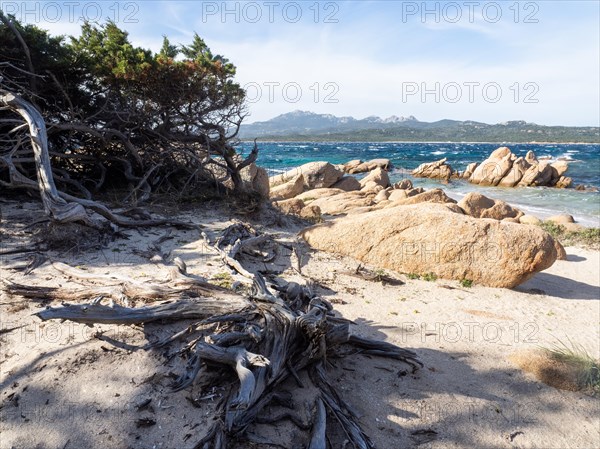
303,126
287,140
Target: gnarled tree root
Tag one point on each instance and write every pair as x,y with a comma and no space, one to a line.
262,341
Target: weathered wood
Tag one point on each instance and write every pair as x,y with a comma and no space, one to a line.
262,341
60,206
183,309
54,205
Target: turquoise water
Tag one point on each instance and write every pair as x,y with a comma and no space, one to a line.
584,168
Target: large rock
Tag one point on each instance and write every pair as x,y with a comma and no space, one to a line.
405,184
537,175
428,238
292,206
316,194
415,191
531,158
351,165
347,183
384,164
397,194
502,211
343,202
316,175
256,179
480,206
378,176
371,188
436,170
469,170
558,169
311,212
474,204
561,254
504,169
515,174
494,168
561,219
287,190
561,167
260,183
381,196
430,196
564,182
530,219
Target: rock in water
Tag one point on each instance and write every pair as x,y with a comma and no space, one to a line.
515,174
356,166
429,238
494,168
434,170
469,170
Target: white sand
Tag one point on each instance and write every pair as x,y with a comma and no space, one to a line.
62,388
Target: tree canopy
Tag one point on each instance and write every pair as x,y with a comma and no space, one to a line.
118,114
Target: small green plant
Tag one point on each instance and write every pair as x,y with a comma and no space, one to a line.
222,280
380,275
413,276
555,230
402,299
430,277
467,283
587,237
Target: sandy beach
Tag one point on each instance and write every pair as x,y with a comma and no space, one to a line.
67,385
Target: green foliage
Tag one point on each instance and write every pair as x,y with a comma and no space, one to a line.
587,237
108,54
222,280
430,277
167,50
413,276
467,283
134,109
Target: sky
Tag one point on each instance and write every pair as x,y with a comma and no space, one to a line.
473,60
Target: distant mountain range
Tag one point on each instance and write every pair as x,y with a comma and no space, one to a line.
304,125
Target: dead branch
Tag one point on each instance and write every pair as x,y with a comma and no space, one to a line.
261,341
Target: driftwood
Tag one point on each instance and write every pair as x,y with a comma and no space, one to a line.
274,334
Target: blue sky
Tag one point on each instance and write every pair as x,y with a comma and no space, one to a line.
486,61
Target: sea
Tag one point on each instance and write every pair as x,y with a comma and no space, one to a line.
583,159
